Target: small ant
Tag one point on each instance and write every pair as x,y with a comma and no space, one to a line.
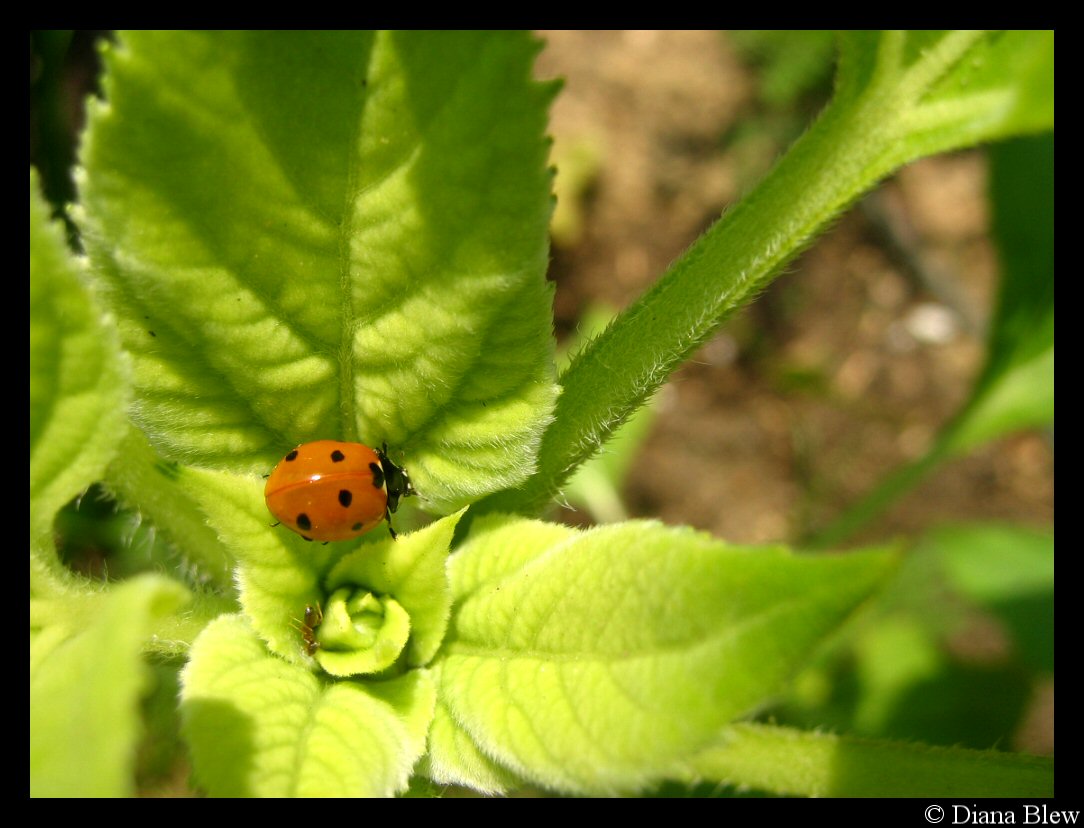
313,618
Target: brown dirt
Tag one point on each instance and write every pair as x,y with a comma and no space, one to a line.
850,362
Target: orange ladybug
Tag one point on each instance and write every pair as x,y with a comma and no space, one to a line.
329,490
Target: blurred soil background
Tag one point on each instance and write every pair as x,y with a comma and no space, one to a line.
849,363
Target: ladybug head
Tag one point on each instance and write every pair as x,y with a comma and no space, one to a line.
396,479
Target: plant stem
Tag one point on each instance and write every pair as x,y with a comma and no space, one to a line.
794,762
896,484
845,152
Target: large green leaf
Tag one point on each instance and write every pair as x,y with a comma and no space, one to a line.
330,235
594,661
140,477
85,687
258,726
77,384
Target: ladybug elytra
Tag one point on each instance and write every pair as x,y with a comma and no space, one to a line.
330,490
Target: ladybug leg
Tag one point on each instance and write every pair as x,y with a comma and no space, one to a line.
391,529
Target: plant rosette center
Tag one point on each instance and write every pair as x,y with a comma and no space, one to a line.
385,607
361,632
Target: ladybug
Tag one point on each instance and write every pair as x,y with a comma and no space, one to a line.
329,490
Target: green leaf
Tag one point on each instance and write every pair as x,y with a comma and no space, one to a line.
454,758
899,96
1008,570
796,763
1002,86
926,92
1016,387
990,563
908,685
1022,397
140,477
593,661
1022,192
360,633
954,653
412,570
85,687
258,726
330,235
278,573
77,384
791,63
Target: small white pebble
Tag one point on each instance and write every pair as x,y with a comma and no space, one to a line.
932,324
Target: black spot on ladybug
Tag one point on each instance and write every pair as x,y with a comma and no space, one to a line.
337,456
378,475
303,521
291,456
345,498
357,527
